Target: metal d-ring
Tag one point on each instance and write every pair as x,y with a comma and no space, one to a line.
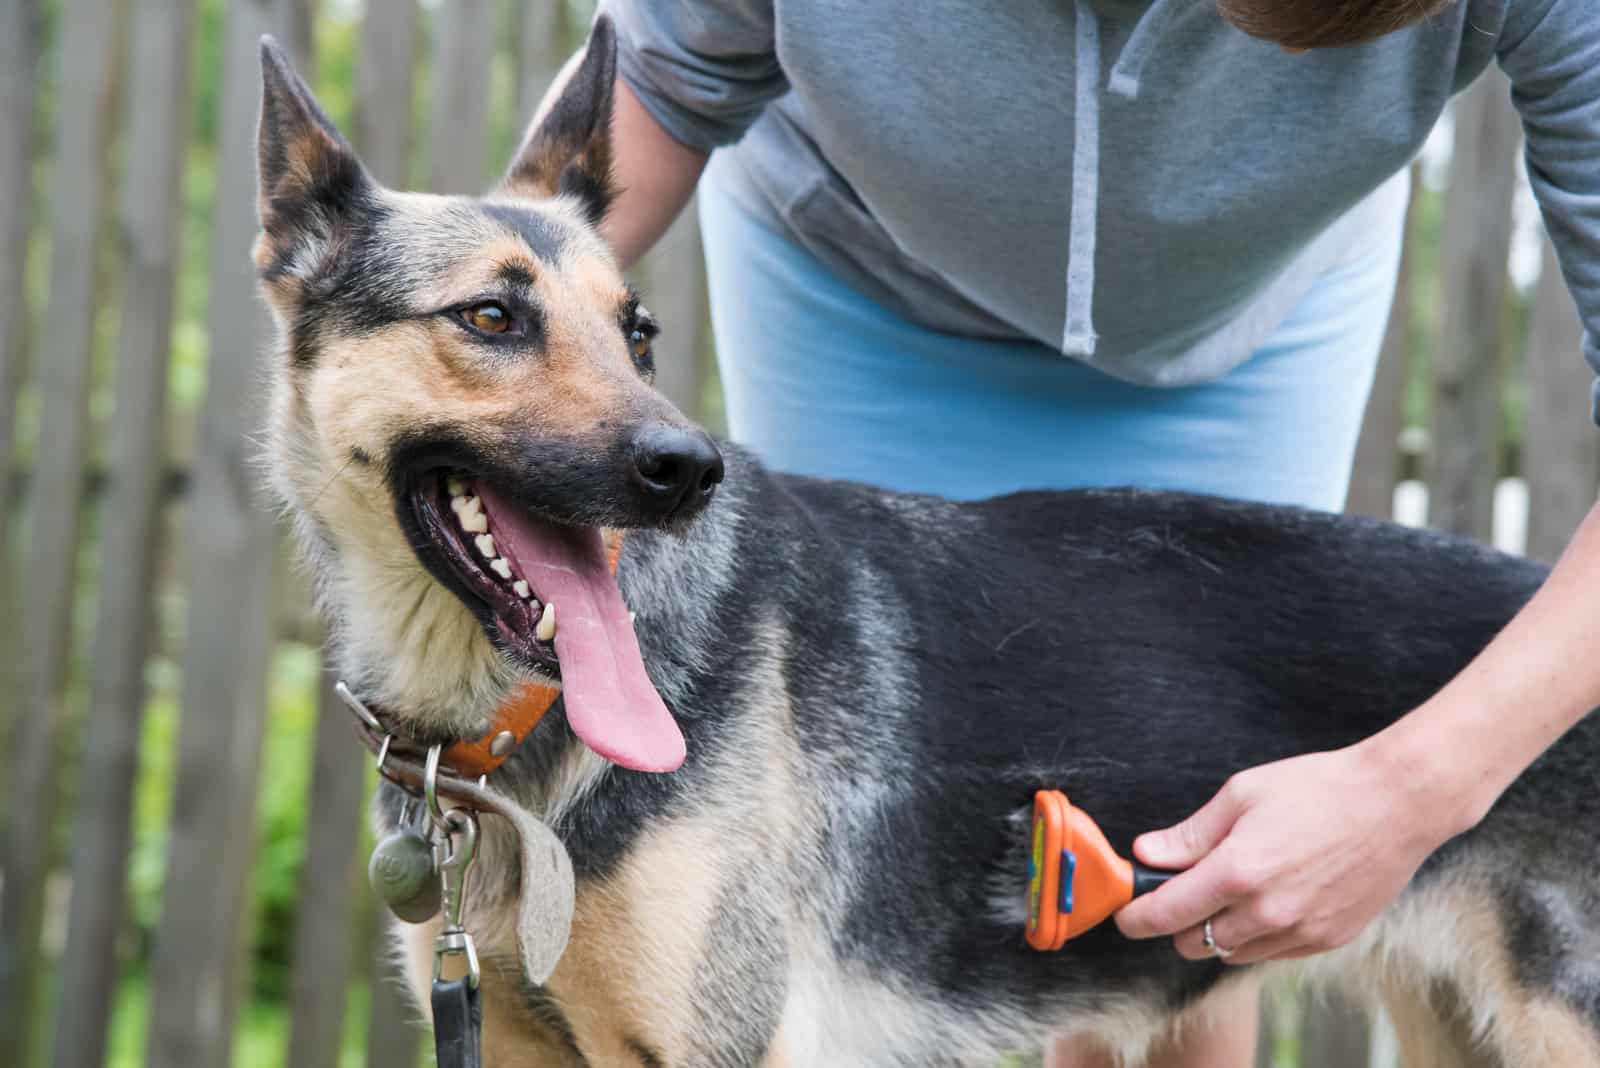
430,786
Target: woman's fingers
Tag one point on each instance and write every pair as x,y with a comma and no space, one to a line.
1185,902
1183,844
1211,879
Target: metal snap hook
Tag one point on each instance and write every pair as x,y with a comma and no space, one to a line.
460,828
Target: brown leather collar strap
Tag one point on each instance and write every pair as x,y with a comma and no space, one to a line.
516,719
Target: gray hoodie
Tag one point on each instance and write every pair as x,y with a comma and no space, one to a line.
1133,183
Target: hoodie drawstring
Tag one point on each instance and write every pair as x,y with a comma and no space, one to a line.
1130,63
1078,336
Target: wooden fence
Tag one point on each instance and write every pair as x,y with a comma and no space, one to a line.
174,497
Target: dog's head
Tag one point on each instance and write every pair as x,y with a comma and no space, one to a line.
462,405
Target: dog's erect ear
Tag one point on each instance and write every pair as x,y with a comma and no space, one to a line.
567,150
308,179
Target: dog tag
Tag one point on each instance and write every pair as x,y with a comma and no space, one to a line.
403,873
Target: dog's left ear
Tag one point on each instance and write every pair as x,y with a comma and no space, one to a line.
567,150
309,183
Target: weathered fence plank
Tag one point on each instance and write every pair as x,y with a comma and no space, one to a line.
393,1030
1334,1033
230,553
87,84
458,124
323,923
157,121
675,292
1561,452
384,83
382,131
1267,1024
18,54
1472,277
542,48
1377,461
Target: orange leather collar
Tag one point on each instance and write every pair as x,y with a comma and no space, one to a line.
517,717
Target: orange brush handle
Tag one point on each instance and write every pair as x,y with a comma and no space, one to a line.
1075,878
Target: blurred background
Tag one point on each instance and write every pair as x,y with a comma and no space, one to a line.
184,840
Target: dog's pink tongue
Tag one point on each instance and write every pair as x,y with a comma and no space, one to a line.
611,702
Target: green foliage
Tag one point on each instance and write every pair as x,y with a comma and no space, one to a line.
336,48
205,86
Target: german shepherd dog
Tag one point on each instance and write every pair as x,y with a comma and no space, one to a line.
863,688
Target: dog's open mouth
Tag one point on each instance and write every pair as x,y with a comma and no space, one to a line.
545,593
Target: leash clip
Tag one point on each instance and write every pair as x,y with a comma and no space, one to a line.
457,1012
459,829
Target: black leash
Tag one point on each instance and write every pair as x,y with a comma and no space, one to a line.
457,1024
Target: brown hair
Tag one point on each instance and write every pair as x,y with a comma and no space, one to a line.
1325,23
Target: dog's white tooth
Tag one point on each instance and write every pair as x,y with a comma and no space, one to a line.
456,487
522,588
456,503
499,566
473,521
546,630
485,544
633,617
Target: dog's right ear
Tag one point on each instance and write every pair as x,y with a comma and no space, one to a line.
567,150
309,183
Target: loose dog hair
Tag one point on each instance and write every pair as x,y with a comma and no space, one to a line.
869,685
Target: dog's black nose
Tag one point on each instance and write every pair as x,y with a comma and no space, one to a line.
677,469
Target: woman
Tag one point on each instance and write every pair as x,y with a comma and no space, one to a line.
970,248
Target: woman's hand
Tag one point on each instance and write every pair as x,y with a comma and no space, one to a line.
1294,858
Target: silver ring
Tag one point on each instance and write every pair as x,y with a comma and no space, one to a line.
1211,943
430,786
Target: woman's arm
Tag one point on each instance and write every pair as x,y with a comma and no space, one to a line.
1297,857
655,177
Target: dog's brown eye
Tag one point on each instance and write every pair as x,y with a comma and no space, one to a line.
489,317
639,343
